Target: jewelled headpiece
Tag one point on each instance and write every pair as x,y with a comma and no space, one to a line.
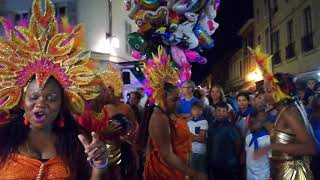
158,72
264,62
39,50
112,77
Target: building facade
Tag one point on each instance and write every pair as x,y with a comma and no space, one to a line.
106,23
243,72
289,30
107,27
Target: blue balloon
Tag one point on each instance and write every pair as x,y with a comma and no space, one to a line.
204,38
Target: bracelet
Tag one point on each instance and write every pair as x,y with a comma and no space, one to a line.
99,166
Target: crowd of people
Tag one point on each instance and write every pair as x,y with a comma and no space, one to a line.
62,120
231,139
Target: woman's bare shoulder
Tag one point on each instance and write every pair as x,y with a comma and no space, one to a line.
158,118
292,112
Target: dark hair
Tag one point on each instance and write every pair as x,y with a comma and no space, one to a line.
286,83
138,95
222,104
68,147
313,79
197,94
169,88
197,104
316,86
259,92
242,94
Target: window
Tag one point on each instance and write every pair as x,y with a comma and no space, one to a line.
275,41
24,15
258,15
266,8
267,36
20,16
290,31
307,21
17,17
307,39
1,31
240,66
250,39
128,29
235,70
259,40
274,6
245,45
275,49
290,49
61,9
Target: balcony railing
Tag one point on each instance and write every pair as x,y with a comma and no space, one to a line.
307,43
276,58
290,51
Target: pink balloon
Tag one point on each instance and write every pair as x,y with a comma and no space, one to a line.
193,56
136,55
178,55
185,72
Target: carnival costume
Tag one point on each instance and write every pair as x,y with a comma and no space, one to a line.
97,121
158,72
288,167
111,77
40,50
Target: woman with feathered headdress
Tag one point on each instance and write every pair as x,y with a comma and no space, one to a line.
291,137
169,141
43,81
102,115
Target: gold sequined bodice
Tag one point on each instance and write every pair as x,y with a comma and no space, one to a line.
278,137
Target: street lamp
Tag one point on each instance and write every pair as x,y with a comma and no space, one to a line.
255,76
107,46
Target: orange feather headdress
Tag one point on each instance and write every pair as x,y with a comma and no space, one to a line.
264,62
41,51
158,72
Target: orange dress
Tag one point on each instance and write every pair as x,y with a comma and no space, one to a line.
155,167
25,168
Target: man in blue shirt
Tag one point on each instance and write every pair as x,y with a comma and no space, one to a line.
188,99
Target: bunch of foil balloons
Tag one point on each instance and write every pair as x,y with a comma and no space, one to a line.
182,27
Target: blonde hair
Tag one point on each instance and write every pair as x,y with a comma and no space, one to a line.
222,95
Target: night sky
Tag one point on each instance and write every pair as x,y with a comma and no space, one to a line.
231,16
